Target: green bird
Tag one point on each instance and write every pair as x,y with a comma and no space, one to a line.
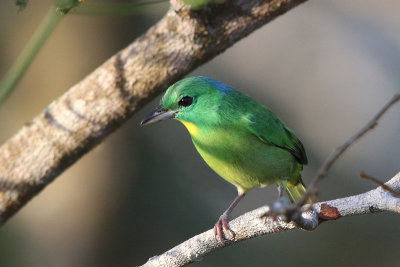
240,139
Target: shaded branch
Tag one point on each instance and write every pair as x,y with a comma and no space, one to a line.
105,99
251,225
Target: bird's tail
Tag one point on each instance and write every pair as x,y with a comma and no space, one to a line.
296,191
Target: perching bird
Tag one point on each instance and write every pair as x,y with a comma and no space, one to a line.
240,139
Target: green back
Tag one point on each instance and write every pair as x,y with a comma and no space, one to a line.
216,104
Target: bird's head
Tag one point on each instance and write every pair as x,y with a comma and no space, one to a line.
190,100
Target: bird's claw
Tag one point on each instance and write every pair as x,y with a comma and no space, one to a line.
222,229
278,209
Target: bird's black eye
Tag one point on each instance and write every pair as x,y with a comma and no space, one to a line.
185,101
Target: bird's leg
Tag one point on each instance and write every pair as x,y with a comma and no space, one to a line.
223,222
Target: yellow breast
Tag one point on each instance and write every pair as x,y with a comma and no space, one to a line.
233,174
193,130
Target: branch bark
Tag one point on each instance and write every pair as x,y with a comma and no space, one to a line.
251,225
92,109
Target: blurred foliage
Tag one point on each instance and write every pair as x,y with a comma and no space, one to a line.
64,6
199,4
21,4
60,8
32,48
119,9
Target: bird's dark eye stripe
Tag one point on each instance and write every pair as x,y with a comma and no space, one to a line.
185,101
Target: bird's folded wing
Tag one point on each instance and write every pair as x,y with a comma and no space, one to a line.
271,130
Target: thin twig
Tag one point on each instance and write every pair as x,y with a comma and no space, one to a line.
321,173
24,60
383,185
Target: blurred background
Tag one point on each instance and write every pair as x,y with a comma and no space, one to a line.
325,68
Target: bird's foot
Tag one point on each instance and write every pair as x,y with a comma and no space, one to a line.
304,217
279,209
222,230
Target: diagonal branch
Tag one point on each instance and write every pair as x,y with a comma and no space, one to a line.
376,181
99,104
251,225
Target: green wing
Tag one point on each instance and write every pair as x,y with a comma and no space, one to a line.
271,130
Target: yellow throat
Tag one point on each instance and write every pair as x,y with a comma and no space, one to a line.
193,130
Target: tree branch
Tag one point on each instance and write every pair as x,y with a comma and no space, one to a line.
251,225
99,104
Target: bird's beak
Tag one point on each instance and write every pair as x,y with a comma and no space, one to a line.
157,115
